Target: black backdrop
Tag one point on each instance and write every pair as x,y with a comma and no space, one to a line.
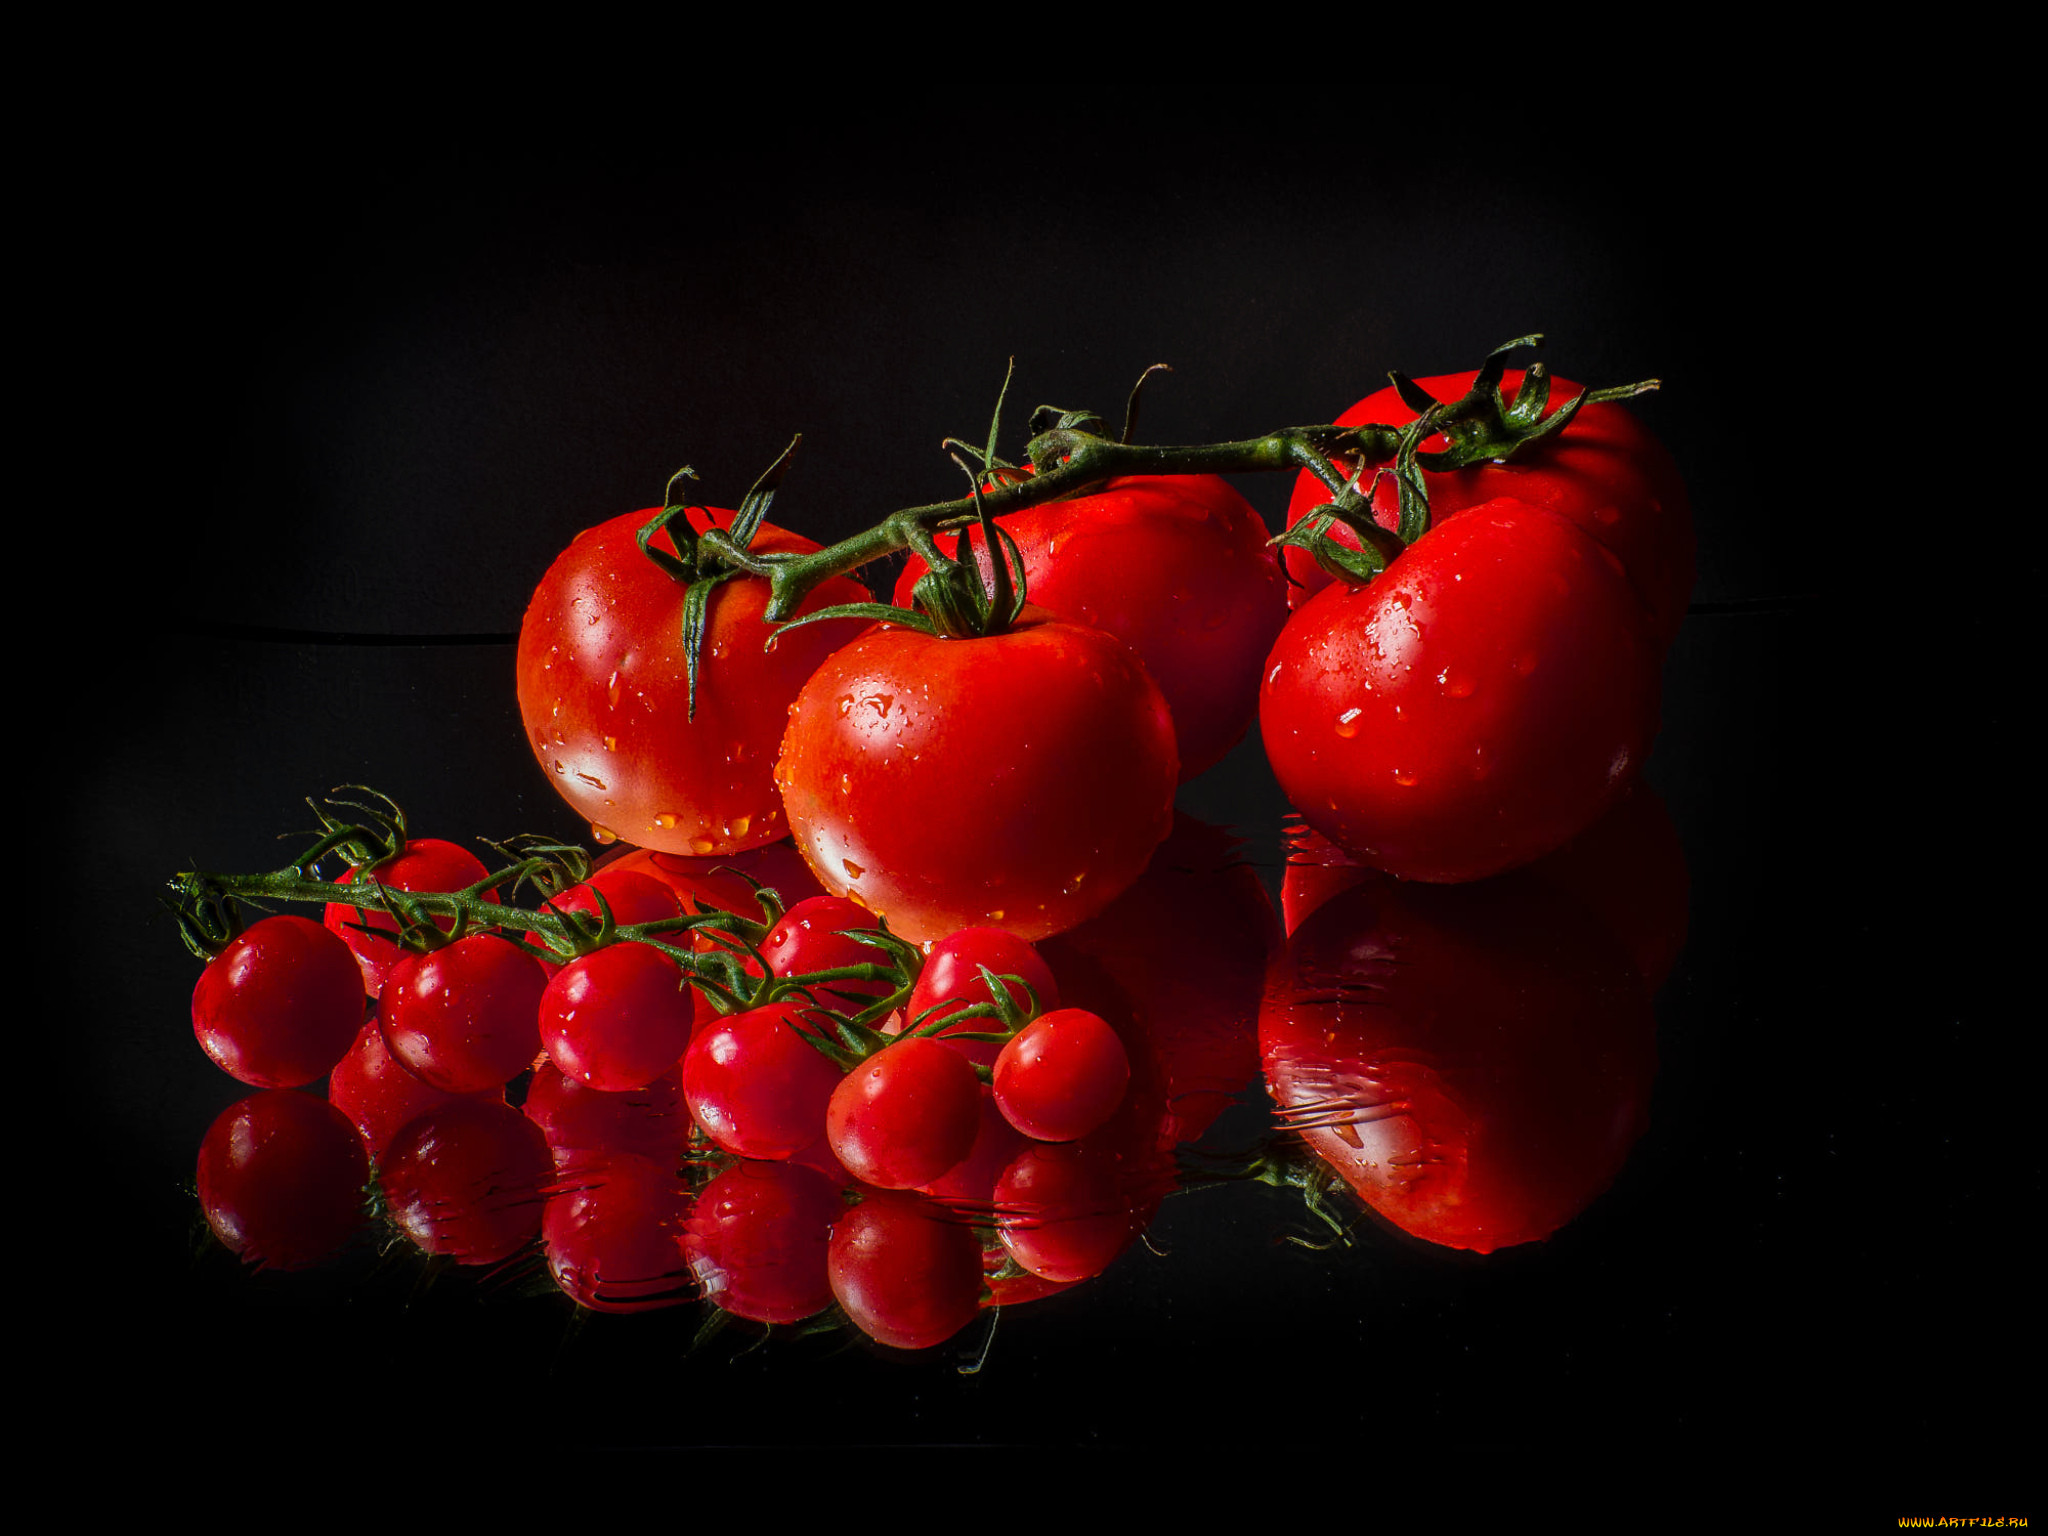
365,396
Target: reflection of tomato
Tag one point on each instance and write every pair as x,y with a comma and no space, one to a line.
1020,779
757,1239
604,692
1603,472
613,1230
281,1179
466,1179
1176,567
1474,1062
1474,707
906,1274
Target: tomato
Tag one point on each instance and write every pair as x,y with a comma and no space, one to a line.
907,1274
1475,1062
1474,707
618,1017
721,882
812,937
604,692
906,1115
378,1094
281,1179
583,1123
280,1005
757,1241
969,1186
952,975
633,896
424,864
465,1017
1177,567
1602,471
613,1231
755,1085
467,1179
1062,1076
1020,779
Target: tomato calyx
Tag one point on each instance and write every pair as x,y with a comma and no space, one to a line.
848,1040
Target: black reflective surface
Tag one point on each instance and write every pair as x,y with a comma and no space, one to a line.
387,414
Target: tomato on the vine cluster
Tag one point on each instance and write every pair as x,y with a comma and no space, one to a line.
604,690
280,1005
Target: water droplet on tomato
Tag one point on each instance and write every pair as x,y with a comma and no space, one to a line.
740,825
558,766
611,690
1456,685
603,834
593,781
701,845
665,820
996,916
846,783
883,702
1347,723
611,743
845,704
853,870
1405,777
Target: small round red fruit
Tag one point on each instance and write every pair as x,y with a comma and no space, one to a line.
1062,1076
617,1018
906,1115
280,1005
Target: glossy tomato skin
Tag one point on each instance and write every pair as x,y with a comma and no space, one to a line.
603,690
1477,705
952,975
905,1116
280,1005
1177,567
1062,1076
583,1124
378,1094
811,937
617,1018
281,1179
1020,780
424,864
1603,472
465,1018
908,1274
757,1240
754,1084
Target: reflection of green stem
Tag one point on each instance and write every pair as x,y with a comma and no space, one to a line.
1280,1164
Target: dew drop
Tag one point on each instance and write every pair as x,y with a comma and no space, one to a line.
1347,723
611,743
611,689
1405,777
593,781
740,825
845,704
853,870
593,619
603,834
665,820
738,753
846,783
558,766
1456,685
996,916
702,845
883,703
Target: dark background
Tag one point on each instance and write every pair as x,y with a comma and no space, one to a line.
364,395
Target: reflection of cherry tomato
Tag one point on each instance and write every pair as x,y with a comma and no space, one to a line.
466,1179
281,1179
754,1084
757,1240
906,1274
1604,472
1176,567
1474,1062
1020,780
1474,707
280,1005
604,692
613,1231
377,1093
1062,1076
905,1115
1061,1210
424,864
465,1017
581,1123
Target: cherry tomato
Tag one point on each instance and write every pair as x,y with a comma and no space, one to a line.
1020,780
465,1017
755,1085
280,1005
907,1274
424,864
1062,1076
633,896
757,1241
906,1115
1475,1062
1474,707
378,1094
583,1123
952,975
467,1179
618,1017
1603,472
613,1230
969,1186
812,937
1175,566
721,882
281,1179
604,693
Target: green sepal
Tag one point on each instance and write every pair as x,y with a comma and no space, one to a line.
681,567
696,608
754,505
1352,566
1484,427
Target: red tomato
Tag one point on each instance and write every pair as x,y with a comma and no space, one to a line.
757,1240
633,896
378,1094
1474,1062
1474,707
952,974
281,1179
582,1123
1020,780
613,1230
1175,566
280,1005
466,1017
812,937
1062,1211
604,692
755,1085
424,864
1603,472
720,882
906,1115
1062,1076
618,1017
